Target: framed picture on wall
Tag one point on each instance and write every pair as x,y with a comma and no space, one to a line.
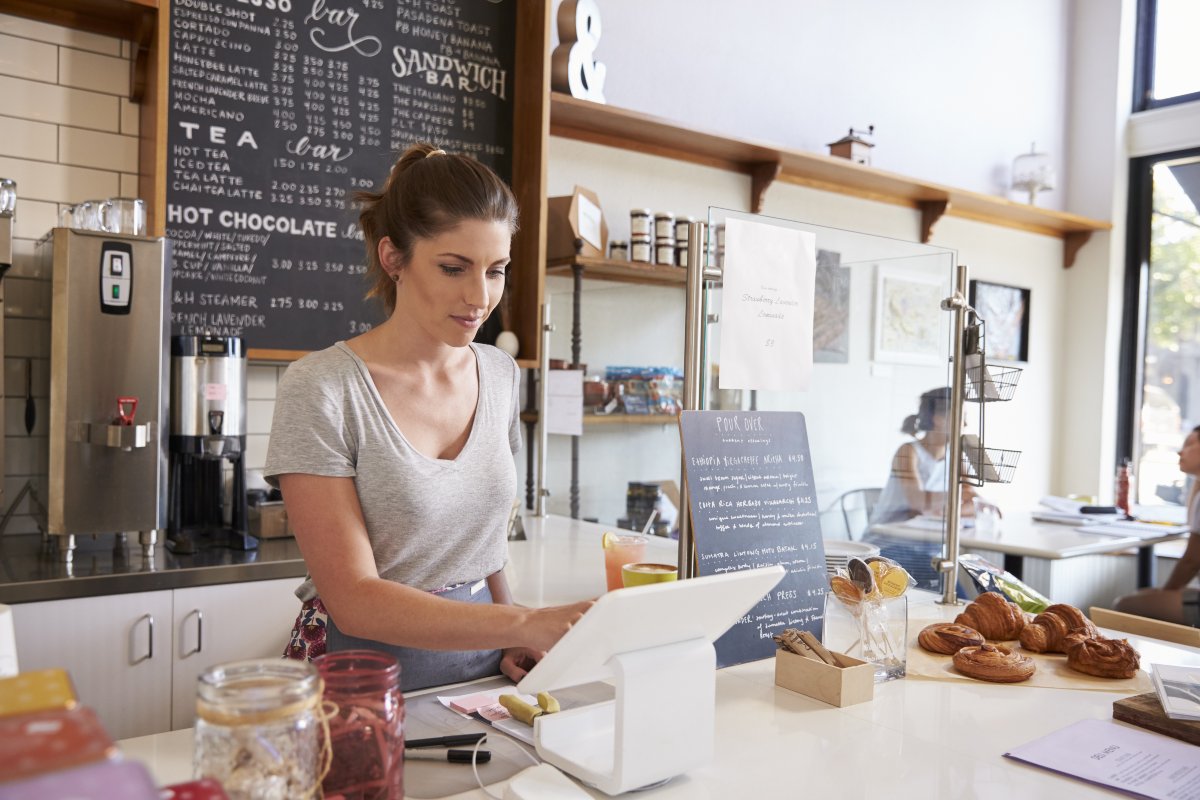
1005,309
910,326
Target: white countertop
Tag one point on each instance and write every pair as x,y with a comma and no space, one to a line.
1021,535
927,738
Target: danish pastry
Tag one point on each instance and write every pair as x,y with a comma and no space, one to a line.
948,638
993,662
1104,658
994,616
1057,628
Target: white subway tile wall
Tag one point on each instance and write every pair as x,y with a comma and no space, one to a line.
67,133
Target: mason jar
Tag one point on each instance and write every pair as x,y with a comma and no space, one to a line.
258,729
367,730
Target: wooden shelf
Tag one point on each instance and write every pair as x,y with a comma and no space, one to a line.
629,130
602,269
605,420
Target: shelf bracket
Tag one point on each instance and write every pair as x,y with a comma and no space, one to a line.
762,175
931,212
1072,241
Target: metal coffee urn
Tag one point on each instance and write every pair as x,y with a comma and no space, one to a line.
108,364
208,444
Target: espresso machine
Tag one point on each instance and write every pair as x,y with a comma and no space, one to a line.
208,444
108,362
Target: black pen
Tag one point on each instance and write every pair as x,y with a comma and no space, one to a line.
453,756
446,741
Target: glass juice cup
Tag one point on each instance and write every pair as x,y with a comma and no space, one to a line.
621,549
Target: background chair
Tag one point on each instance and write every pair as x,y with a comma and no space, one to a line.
1145,626
856,506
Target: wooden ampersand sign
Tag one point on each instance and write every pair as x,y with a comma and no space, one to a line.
574,68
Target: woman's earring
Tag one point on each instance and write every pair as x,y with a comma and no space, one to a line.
396,277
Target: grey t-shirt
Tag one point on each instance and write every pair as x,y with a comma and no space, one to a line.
432,522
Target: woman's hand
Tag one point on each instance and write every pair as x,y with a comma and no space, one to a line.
515,662
545,626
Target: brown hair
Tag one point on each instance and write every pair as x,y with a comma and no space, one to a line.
428,192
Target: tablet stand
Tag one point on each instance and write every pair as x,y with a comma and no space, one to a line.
659,725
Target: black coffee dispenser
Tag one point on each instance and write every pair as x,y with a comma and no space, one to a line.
207,505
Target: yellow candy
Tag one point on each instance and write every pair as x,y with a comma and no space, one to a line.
892,580
548,703
520,710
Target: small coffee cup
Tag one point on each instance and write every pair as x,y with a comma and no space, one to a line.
642,574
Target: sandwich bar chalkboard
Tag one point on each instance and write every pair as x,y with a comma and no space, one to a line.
279,110
753,503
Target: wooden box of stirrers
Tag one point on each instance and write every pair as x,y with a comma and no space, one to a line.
805,666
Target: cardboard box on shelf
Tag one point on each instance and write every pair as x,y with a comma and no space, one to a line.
576,216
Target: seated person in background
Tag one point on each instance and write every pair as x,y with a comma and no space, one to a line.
1174,602
917,485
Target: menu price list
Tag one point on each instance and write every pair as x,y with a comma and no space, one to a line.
753,503
280,110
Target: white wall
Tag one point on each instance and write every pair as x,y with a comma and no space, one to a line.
955,89
627,324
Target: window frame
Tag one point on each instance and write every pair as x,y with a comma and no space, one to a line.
1143,63
1132,354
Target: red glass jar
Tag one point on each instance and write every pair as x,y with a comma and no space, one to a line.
367,731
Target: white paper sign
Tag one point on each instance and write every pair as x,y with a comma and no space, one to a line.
564,401
589,222
767,312
1131,760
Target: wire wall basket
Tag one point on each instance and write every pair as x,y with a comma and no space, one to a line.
988,383
989,464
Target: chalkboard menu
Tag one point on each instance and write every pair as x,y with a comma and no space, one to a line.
753,504
278,111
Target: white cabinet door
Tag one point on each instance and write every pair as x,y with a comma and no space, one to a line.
117,649
227,622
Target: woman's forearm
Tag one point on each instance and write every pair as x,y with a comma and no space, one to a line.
1188,565
415,618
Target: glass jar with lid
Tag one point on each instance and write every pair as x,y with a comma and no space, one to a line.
258,729
664,227
367,730
639,223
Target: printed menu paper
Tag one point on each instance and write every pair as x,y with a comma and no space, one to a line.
1133,761
767,307
564,401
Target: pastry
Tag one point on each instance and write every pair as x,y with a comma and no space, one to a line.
993,662
1104,658
1056,628
948,638
994,616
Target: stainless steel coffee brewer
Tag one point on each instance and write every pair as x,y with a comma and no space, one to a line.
108,363
208,444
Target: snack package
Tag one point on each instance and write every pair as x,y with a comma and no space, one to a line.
987,577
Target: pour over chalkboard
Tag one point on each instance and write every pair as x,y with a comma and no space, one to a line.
278,111
753,503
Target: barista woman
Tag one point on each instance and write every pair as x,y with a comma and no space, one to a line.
394,449
1175,602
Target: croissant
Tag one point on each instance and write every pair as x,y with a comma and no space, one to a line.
994,616
1104,658
1056,628
993,662
948,638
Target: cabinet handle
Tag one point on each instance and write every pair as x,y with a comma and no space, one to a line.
149,618
199,632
